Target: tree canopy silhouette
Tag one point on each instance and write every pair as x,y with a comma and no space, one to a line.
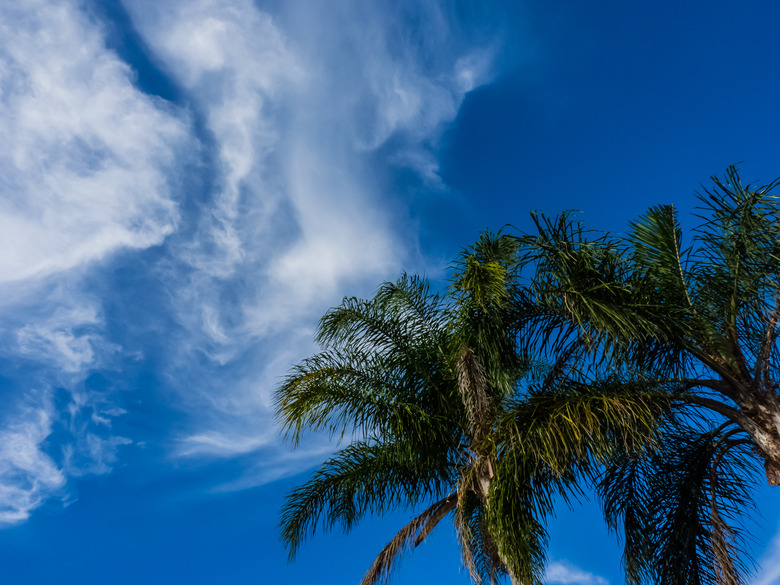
440,412
698,321
641,366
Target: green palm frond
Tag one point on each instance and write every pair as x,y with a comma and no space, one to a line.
483,314
362,478
479,549
485,271
580,291
409,536
661,278
346,391
581,424
681,509
522,497
740,252
624,495
394,322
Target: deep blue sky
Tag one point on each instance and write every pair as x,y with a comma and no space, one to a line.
186,186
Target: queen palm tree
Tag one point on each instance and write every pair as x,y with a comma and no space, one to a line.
439,412
698,322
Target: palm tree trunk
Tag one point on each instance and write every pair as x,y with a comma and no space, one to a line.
759,416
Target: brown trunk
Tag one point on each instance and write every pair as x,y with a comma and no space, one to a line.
772,472
762,412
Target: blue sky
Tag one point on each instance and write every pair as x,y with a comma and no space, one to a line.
186,186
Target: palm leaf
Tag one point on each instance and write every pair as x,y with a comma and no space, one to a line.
362,478
681,509
410,535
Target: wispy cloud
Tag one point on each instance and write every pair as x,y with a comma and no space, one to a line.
27,474
562,573
299,104
296,116
87,169
55,340
218,444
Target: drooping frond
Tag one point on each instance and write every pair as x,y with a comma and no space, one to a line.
683,490
474,392
336,391
362,478
410,535
586,422
680,509
479,549
521,498
624,494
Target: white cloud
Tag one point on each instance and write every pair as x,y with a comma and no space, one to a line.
85,171
216,444
294,110
560,573
91,454
233,61
62,341
89,166
55,341
27,474
297,103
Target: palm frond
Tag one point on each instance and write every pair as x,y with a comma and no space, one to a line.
585,423
681,509
479,549
361,478
623,491
739,242
520,500
395,322
473,388
410,535
660,272
582,286
338,391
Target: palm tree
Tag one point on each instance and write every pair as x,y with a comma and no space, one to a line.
439,412
698,323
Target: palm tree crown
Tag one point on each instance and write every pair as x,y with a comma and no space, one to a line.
698,323
440,411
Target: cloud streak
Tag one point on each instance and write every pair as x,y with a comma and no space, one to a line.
27,474
770,565
87,171
301,106
293,119
89,168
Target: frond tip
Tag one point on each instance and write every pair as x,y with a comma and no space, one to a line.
409,536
